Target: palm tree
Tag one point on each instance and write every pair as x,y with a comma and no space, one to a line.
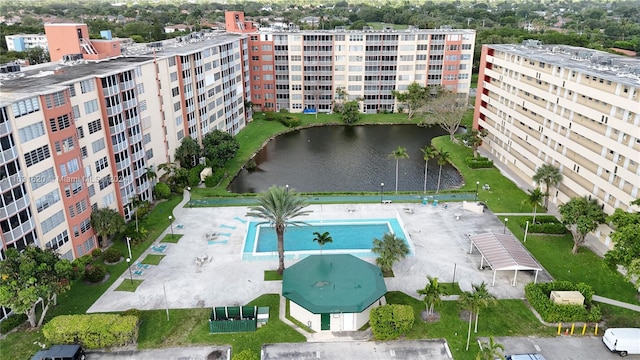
390,249
490,350
535,199
428,153
399,153
550,176
135,203
467,301
106,222
322,239
431,293
443,158
484,299
278,206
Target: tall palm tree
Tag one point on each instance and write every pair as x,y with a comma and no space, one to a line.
483,299
106,222
490,350
135,203
534,199
467,301
443,158
278,206
428,153
431,293
322,239
397,154
389,249
550,176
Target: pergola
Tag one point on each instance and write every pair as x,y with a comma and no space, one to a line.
503,252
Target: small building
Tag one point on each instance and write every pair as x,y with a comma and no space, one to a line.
333,292
567,297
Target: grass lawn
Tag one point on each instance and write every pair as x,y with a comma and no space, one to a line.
153,259
21,344
272,275
171,238
128,285
451,288
507,318
474,81
190,327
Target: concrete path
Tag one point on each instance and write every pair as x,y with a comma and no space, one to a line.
616,303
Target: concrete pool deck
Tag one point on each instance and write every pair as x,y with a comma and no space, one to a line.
439,237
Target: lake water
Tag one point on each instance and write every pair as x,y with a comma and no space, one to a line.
346,158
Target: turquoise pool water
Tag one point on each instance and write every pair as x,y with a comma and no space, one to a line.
354,236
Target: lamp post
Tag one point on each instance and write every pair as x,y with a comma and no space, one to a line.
381,191
477,184
287,188
171,224
130,273
504,229
189,191
129,247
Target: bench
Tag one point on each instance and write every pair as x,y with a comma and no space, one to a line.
386,201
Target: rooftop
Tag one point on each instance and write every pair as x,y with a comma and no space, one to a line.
617,68
339,283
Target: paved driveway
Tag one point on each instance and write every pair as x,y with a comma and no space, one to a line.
183,353
561,347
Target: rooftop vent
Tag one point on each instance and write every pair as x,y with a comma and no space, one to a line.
531,43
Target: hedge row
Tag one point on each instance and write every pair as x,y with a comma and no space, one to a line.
538,297
92,331
543,225
478,162
389,322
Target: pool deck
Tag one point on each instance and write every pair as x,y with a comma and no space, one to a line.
439,236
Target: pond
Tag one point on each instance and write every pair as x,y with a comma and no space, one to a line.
346,158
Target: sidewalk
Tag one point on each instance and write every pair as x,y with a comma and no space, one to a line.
616,303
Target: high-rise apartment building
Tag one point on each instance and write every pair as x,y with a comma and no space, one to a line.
302,70
24,42
577,109
77,135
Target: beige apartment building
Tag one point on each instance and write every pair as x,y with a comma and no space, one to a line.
575,108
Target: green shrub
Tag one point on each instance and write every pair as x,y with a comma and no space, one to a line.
543,225
245,355
194,175
96,252
95,273
478,162
162,190
214,179
270,116
289,121
389,322
132,312
92,331
538,297
12,322
79,264
111,255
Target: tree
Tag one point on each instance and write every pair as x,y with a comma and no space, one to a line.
431,294
484,299
30,277
414,98
397,154
389,249
428,153
490,350
473,138
467,302
278,207
626,248
106,222
446,110
322,239
188,153
548,175
443,158
581,216
340,99
534,199
351,111
219,147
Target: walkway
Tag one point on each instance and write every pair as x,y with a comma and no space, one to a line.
616,303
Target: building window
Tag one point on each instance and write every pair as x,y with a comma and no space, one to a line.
35,156
95,126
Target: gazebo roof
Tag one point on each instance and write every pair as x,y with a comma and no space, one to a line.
339,283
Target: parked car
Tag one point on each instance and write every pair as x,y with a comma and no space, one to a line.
61,352
524,357
624,341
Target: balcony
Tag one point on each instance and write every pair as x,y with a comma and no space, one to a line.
113,110
118,128
119,147
138,155
129,104
123,164
14,207
111,90
5,128
133,121
8,155
19,232
127,85
135,138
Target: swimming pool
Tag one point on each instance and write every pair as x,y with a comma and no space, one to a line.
353,236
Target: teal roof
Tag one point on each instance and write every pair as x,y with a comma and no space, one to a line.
339,283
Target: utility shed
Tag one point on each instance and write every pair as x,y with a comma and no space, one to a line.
567,297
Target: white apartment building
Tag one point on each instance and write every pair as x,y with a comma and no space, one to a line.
575,108
24,42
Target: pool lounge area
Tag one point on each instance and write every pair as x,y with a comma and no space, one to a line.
350,236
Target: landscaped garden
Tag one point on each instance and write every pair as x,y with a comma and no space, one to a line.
506,318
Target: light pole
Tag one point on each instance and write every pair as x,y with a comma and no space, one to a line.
381,191
129,247
129,266
171,224
477,184
504,229
189,191
287,188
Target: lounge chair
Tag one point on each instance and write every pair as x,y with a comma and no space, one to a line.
138,272
140,265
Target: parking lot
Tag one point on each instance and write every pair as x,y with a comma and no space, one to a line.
561,347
